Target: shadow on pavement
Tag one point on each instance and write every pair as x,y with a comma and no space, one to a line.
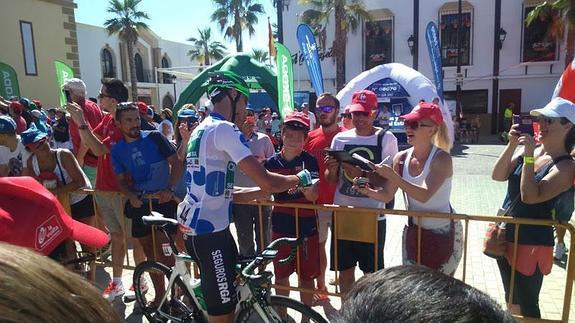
458,150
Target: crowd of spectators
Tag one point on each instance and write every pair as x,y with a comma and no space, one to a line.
131,151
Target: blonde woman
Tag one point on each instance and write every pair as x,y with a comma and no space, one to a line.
424,173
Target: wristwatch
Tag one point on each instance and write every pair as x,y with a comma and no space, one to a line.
83,127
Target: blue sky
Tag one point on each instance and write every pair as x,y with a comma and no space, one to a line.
178,20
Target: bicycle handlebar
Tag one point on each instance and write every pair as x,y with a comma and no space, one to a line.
247,272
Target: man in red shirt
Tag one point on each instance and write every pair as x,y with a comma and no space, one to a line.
327,109
75,90
100,141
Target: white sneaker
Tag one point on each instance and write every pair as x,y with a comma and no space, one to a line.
130,295
113,290
560,251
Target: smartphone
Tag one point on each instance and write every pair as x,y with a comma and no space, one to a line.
344,157
525,124
191,123
68,98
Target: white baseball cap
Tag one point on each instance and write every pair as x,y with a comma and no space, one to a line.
557,108
76,86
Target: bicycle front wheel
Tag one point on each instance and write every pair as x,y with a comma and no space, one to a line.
179,306
280,309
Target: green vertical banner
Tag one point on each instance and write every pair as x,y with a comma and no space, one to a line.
9,86
63,73
285,80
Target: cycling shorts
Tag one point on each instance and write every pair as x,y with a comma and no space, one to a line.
217,255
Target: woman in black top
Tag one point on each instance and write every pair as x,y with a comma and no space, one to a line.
536,175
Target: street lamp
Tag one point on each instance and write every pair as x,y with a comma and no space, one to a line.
174,82
502,35
410,43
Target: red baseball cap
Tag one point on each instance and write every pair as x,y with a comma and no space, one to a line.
425,110
32,217
363,101
16,106
142,107
297,120
38,103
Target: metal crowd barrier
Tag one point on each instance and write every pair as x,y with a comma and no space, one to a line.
366,220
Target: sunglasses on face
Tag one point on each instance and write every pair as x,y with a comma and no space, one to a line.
414,125
103,95
360,113
346,115
325,108
546,120
126,105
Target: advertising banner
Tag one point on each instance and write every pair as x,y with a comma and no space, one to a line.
308,46
433,46
63,73
9,86
285,80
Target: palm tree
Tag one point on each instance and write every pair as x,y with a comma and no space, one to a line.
261,55
347,14
562,15
205,48
127,25
233,16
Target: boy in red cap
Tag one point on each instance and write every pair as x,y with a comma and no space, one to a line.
289,161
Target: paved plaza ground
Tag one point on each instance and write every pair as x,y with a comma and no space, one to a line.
473,193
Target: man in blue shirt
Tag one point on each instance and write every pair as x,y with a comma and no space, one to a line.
147,168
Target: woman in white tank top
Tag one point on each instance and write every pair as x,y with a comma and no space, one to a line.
424,173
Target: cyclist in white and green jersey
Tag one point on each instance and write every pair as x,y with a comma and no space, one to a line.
212,152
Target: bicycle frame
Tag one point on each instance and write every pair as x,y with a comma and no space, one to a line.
253,289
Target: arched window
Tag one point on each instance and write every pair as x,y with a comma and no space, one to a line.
139,68
166,77
107,64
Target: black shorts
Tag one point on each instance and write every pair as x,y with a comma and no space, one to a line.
217,255
351,252
139,229
83,208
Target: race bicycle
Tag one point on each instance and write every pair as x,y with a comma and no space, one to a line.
183,298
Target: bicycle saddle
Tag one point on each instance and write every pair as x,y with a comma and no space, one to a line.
158,219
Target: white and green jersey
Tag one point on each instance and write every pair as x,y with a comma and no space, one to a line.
215,147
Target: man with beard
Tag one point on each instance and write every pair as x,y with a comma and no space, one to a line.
100,140
147,170
318,141
378,146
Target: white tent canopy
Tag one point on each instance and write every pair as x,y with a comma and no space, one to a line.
416,84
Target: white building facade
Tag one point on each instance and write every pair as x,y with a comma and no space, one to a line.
530,60
103,56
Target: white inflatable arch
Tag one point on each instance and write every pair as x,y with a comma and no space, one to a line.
416,84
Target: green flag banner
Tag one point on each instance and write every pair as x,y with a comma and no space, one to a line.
9,86
63,73
285,80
